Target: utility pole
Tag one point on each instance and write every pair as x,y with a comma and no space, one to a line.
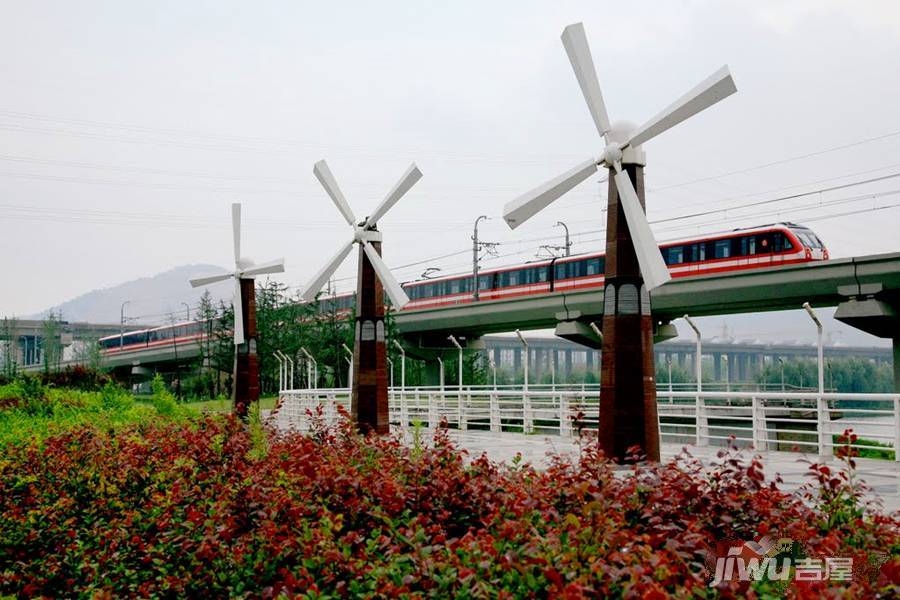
122,323
568,245
476,247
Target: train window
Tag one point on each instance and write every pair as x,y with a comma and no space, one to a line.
808,238
541,274
722,248
514,278
674,255
593,266
484,282
562,271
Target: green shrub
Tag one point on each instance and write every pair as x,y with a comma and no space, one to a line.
162,399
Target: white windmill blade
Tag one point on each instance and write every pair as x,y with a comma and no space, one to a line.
653,268
530,203
409,179
717,86
309,293
236,229
398,297
273,266
200,281
576,44
238,313
323,174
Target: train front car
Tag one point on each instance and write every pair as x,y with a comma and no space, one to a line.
813,247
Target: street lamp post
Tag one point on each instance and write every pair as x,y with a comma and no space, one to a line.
475,248
781,362
315,368
187,311
820,402
122,323
527,358
280,372
669,368
700,432
526,399
568,243
350,373
391,366
402,365
493,367
459,393
727,374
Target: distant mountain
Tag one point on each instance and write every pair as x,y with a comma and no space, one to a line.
151,300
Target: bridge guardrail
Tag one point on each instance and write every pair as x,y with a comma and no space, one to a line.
785,421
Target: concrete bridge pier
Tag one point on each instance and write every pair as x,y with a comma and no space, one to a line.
896,344
876,311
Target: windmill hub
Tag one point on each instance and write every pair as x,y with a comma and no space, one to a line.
612,153
366,235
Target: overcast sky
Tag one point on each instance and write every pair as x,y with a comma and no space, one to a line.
128,128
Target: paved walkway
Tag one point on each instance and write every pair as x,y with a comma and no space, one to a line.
881,475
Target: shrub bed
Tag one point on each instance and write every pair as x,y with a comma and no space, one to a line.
196,509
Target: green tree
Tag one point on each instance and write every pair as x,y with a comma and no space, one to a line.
51,348
9,341
848,375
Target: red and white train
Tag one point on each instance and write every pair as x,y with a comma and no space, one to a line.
739,250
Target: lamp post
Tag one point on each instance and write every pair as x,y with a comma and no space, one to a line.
493,367
441,365
527,358
698,374
821,349
669,368
460,349
315,368
820,402
187,311
402,365
568,243
122,323
391,366
350,361
475,248
781,362
280,371
727,374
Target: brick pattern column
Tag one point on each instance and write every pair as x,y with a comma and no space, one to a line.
369,397
628,415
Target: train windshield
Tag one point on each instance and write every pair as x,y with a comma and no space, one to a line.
808,238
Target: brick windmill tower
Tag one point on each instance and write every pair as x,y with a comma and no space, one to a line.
246,362
369,394
634,265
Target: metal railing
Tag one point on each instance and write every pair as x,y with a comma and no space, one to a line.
768,420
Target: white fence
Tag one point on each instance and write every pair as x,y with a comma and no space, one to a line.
767,420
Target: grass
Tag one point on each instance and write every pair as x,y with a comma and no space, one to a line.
38,413
223,405
886,454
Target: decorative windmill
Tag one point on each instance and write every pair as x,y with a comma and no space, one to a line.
246,363
369,397
634,264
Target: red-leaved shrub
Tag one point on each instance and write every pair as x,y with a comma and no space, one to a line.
195,510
